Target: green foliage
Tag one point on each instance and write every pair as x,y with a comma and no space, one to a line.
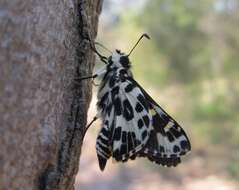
175,27
215,110
233,168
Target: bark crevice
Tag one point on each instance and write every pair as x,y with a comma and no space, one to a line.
60,176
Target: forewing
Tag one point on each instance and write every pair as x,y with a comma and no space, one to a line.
127,122
132,122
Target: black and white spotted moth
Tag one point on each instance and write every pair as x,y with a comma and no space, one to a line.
133,124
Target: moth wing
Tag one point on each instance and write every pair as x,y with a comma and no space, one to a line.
126,125
103,143
132,127
135,125
168,141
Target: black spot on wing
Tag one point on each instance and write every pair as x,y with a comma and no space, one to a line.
139,107
176,149
143,102
117,134
170,137
175,131
146,120
144,134
117,106
140,123
185,145
129,87
159,122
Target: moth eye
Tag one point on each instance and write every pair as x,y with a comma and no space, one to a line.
124,60
118,51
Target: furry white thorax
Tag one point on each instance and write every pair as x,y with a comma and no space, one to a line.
116,59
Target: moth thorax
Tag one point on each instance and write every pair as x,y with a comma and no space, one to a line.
119,59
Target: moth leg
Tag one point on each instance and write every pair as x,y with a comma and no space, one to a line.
99,73
77,80
88,126
102,58
87,77
93,48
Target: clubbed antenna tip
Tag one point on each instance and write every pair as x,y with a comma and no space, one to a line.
143,35
146,36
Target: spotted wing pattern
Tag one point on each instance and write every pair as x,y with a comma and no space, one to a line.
135,125
167,141
126,120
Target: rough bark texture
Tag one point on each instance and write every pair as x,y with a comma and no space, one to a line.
43,110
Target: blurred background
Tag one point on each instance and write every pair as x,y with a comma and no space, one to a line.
190,67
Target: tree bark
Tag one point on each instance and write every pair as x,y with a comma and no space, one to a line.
44,48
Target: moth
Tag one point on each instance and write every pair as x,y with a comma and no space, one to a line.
133,124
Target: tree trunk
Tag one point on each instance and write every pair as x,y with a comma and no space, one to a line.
44,47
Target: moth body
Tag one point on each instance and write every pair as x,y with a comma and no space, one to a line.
133,124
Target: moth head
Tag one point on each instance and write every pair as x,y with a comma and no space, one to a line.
119,59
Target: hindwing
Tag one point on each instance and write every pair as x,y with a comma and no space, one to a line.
167,141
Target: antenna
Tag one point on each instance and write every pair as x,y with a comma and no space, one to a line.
143,35
101,45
